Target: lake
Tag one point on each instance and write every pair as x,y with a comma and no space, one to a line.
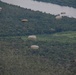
50,8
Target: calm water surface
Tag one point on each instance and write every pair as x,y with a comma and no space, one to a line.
44,7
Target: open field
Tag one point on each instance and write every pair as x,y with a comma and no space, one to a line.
69,36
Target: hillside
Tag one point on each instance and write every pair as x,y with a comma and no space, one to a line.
71,3
56,55
56,40
38,23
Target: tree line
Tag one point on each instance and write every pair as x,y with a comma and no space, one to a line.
71,3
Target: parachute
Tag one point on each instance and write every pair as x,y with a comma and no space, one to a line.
32,37
24,20
58,17
34,46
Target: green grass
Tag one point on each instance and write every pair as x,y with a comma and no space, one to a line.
69,36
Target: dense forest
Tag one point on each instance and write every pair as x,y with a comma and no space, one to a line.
56,40
38,22
71,3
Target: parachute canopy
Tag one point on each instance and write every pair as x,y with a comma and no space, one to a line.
32,37
58,17
34,46
24,20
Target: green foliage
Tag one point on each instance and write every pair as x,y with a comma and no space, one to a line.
54,57
71,3
38,23
56,54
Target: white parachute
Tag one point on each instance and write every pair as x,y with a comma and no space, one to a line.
34,46
32,37
24,20
58,17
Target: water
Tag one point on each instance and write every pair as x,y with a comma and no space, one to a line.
53,9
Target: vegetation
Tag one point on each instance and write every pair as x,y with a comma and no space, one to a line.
38,23
71,3
54,57
57,51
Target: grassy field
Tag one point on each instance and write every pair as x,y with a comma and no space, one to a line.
69,36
